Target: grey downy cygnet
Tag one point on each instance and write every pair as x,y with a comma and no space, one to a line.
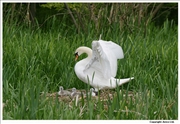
74,92
63,92
92,92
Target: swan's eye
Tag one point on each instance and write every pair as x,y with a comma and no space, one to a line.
76,54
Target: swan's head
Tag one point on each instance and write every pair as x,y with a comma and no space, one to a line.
82,50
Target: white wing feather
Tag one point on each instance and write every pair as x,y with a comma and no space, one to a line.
104,58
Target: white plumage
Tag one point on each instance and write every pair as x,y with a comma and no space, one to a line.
100,67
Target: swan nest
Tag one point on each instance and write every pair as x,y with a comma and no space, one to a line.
103,95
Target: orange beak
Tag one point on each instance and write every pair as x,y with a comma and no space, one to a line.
76,57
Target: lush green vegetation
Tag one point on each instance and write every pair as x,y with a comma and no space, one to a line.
36,61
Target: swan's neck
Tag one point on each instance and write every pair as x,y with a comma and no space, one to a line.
86,50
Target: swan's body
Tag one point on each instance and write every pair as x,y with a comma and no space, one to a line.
100,67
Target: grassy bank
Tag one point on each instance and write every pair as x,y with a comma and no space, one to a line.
37,61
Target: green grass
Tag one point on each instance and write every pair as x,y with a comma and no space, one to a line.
37,61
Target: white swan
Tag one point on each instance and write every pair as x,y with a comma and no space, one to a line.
100,66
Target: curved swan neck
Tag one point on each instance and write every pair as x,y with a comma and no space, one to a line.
86,50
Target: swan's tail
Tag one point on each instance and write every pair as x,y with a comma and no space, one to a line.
113,83
123,81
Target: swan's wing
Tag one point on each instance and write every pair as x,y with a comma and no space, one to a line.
111,52
104,58
113,47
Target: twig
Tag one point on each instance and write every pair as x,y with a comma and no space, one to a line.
69,11
81,111
49,18
152,14
77,98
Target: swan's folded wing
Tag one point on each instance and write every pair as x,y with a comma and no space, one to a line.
104,58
